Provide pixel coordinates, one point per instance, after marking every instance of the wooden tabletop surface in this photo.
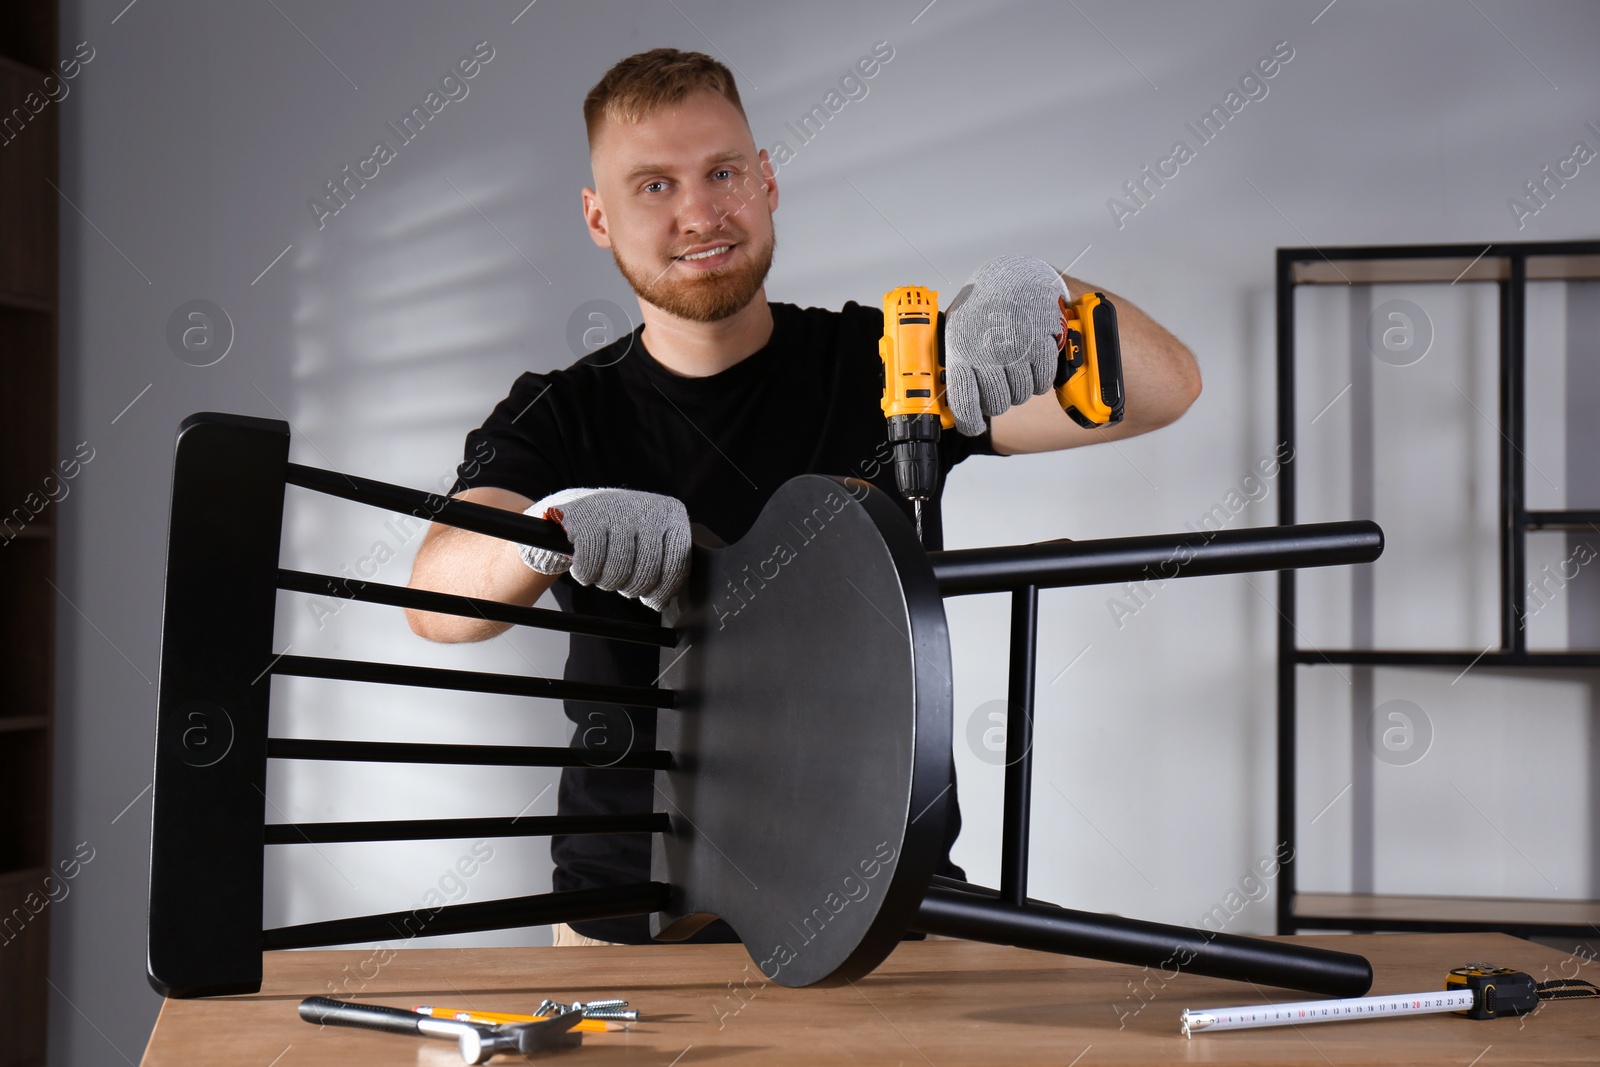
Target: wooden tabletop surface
(936, 1002)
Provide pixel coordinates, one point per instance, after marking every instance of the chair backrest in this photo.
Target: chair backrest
(209, 827)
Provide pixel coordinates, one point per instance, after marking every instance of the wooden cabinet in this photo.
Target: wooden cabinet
(29, 478)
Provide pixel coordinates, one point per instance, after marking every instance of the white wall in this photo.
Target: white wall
(197, 134)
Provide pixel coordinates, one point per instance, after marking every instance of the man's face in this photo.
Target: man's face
(686, 180)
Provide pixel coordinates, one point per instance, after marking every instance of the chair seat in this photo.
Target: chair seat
(810, 735)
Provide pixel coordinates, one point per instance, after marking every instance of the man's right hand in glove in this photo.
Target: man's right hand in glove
(625, 540)
(469, 564)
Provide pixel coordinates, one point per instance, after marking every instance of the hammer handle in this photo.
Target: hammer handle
(367, 1016)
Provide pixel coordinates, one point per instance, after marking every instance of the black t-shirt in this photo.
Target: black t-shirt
(806, 403)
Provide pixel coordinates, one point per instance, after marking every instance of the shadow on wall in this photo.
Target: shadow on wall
(399, 323)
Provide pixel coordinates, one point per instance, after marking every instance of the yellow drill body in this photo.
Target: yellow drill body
(913, 390)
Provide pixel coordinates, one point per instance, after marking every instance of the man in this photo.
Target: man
(711, 405)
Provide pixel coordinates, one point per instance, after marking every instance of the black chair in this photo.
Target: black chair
(804, 749)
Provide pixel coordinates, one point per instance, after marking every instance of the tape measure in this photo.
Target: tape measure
(1478, 991)
(1496, 991)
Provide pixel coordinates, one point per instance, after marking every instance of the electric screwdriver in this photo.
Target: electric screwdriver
(913, 390)
(1088, 382)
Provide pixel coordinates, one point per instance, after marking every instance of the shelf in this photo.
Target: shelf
(11, 878)
(1443, 914)
(1562, 520)
(34, 531)
(11, 298)
(19, 723)
(1372, 657)
(15, 67)
(1447, 264)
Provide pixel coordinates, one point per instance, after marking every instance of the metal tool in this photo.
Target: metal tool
(615, 1010)
(477, 1042)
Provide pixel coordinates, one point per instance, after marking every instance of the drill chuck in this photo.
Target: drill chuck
(916, 454)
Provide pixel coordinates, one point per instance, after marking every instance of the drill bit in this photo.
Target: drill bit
(916, 506)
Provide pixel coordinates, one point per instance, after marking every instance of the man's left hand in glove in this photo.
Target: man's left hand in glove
(1001, 348)
(1002, 338)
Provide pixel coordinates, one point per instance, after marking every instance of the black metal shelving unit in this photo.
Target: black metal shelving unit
(1511, 266)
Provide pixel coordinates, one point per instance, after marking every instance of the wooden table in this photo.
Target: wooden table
(935, 1002)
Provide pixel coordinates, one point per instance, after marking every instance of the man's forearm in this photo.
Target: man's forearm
(1159, 373)
(475, 565)
(1160, 380)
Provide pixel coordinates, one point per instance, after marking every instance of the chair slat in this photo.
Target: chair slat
(537, 910)
(322, 833)
(355, 670)
(473, 608)
(479, 518)
(466, 755)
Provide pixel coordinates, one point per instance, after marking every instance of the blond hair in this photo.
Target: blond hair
(642, 84)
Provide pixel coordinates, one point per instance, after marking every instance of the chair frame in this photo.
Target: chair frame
(212, 740)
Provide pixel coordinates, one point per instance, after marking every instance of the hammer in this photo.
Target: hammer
(477, 1041)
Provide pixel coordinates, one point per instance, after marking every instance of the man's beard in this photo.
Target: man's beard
(708, 296)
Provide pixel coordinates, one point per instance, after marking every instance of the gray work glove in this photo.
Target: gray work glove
(1002, 338)
(632, 542)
